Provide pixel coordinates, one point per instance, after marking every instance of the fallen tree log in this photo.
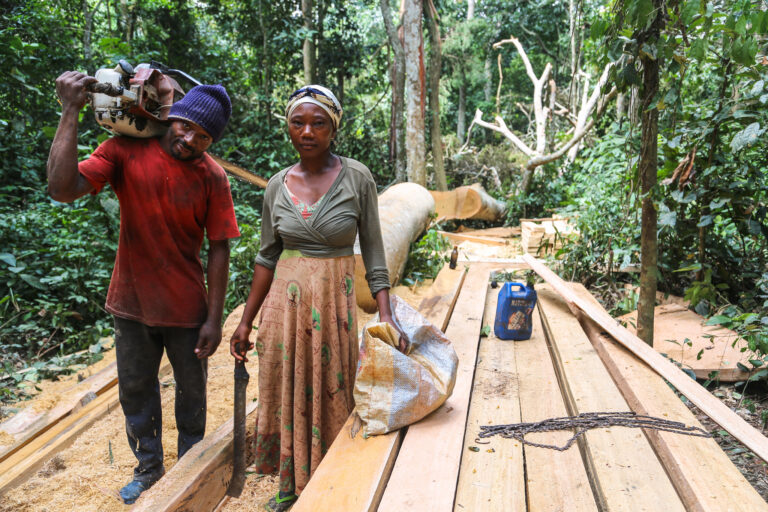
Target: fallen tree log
(703, 399)
(468, 202)
(405, 210)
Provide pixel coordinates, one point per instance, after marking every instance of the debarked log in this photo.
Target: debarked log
(468, 202)
(405, 210)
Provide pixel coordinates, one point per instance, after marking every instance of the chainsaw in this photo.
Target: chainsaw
(135, 102)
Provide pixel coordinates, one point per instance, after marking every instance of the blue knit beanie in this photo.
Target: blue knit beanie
(207, 106)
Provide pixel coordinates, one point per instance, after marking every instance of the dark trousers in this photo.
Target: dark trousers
(139, 351)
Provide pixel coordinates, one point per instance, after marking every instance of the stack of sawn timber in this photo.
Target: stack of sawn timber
(442, 465)
(544, 236)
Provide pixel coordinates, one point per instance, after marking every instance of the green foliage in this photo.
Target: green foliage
(55, 271)
(426, 258)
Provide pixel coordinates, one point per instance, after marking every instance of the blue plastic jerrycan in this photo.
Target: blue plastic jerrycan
(513, 312)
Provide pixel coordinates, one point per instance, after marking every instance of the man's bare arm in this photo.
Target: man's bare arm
(65, 183)
(218, 272)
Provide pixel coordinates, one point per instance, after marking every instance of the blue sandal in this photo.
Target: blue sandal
(131, 492)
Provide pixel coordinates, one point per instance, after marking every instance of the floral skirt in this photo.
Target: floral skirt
(307, 346)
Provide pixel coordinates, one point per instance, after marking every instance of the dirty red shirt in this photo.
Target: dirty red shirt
(165, 206)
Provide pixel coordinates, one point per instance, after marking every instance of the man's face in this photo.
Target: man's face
(187, 140)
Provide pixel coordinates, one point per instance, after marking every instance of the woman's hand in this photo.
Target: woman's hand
(240, 344)
(404, 341)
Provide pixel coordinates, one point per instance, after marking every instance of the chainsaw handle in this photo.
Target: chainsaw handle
(105, 88)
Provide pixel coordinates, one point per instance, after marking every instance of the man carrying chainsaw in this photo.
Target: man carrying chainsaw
(170, 193)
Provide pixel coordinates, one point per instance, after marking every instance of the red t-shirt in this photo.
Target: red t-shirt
(165, 205)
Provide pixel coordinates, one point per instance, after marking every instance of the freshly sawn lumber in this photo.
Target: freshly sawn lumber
(30, 423)
(683, 336)
(555, 480)
(702, 473)
(468, 202)
(199, 480)
(457, 238)
(405, 210)
(23, 463)
(613, 456)
(704, 400)
(492, 477)
(426, 470)
(352, 475)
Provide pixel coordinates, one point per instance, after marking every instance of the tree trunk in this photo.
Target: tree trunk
(573, 33)
(470, 9)
(397, 134)
(340, 85)
(321, 74)
(619, 107)
(647, 169)
(461, 125)
(414, 142)
(488, 85)
(87, 35)
(434, 95)
(309, 43)
(266, 64)
(405, 210)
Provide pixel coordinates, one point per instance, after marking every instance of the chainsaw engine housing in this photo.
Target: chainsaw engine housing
(142, 109)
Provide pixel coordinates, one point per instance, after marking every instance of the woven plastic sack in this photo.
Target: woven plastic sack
(393, 389)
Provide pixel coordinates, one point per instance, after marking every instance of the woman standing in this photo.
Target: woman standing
(307, 341)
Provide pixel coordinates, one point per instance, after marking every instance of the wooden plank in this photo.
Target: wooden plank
(437, 308)
(702, 473)
(710, 405)
(501, 232)
(199, 480)
(427, 467)
(684, 337)
(28, 459)
(240, 172)
(492, 478)
(352, 475)
(556, 481)
(461, 237)
(29, 423)
(21, 465)
(623, 468)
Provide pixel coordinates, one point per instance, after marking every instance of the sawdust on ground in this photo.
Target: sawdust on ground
(51, 391)
(87, 475)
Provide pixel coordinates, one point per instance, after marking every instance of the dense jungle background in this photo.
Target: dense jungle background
(586, 147)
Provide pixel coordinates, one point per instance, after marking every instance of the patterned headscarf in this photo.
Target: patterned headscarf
(317, 95)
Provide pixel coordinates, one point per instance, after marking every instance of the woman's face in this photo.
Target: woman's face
(311, 130)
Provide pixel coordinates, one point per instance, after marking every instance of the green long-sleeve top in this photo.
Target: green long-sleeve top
(349, 206)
